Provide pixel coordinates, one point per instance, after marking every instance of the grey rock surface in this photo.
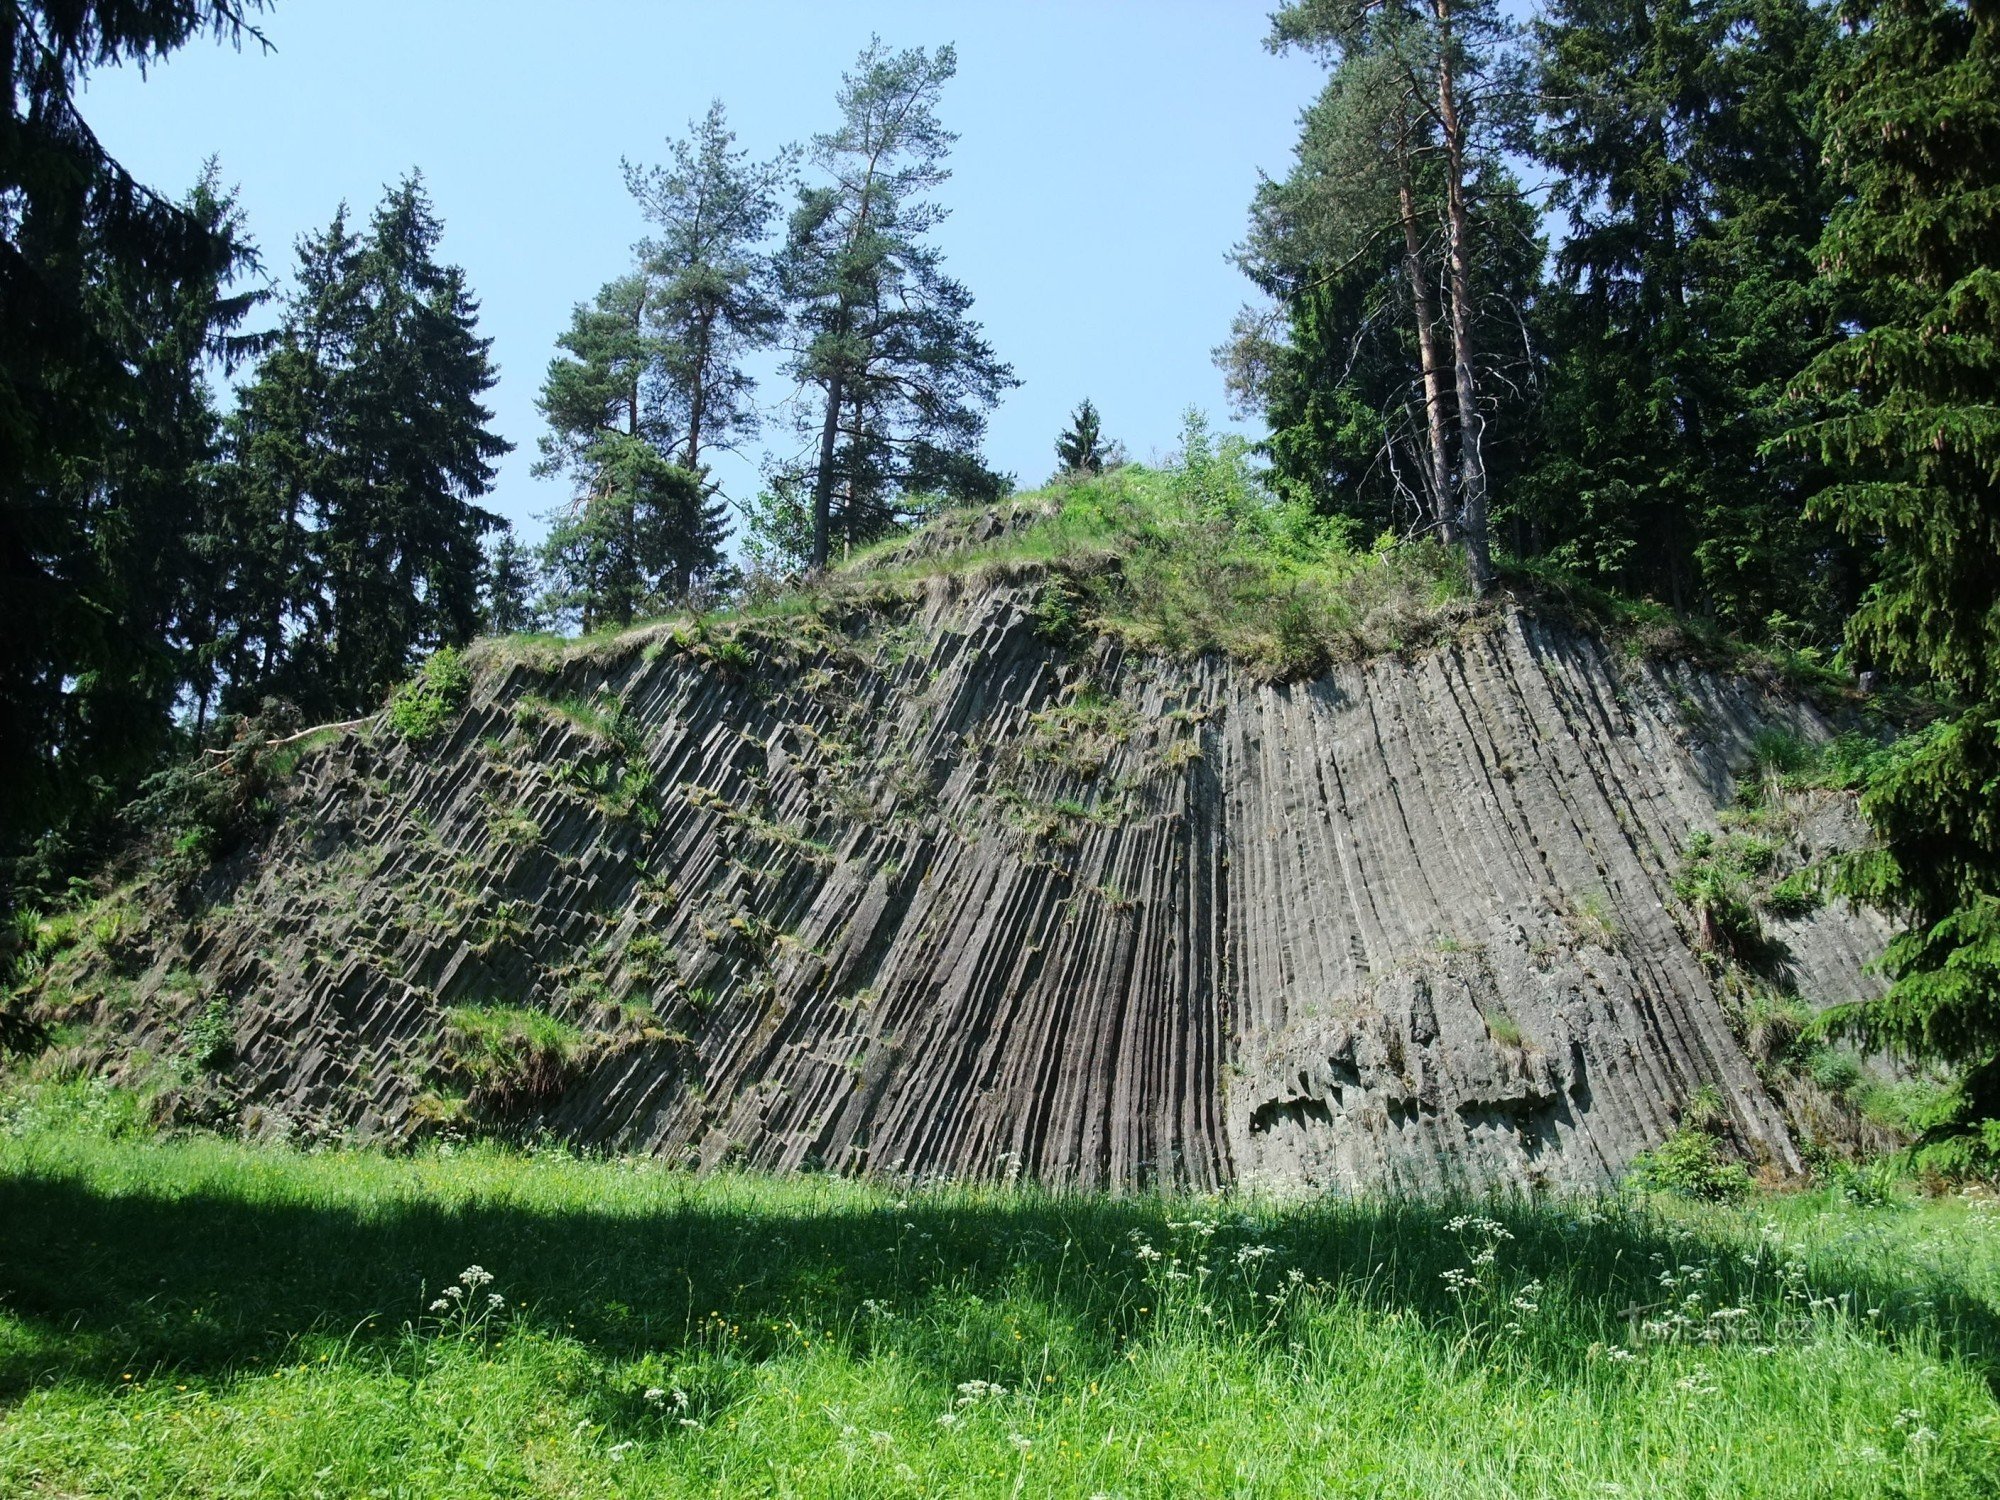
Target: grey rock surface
(914, 890)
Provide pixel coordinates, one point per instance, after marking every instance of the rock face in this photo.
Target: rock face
(915, 890)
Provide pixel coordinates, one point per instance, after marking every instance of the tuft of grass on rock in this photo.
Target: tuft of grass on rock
(512, 1058)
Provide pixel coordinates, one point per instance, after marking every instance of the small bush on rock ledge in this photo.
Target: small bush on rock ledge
(419, 708)
(1690, 1162)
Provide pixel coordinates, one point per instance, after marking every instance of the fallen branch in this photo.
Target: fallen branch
(224, 753)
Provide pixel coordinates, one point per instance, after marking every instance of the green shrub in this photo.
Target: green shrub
(210, 1043)
(1834, 1069)
(647, 956)
(1846, 762)
(511, 828)
(199, 811)
(1058, 612)
(735, 658)
(82, 1108)
(1752, 855)
(1909, 1106)
(1778, 753)
(420, 707)
(1726, 920)
(1774, 1025)
(1689, 1164)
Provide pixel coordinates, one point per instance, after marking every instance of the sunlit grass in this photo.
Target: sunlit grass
(204, 1317)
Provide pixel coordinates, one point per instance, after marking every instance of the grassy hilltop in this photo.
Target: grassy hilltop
(1202, 556)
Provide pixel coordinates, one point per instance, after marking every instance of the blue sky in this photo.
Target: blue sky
(1108, 150)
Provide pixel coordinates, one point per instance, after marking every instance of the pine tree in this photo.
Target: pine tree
(1450, 65)
(651, 379)
(709, 298)
(1914, 251)
(1390, 248)
(904, 375)
(1080, 449)
(643, 528)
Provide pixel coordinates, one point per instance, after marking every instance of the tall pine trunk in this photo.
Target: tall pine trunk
(836, 385)
(698, 395)
(1471, 458)
(829, 433)
(1427, 353)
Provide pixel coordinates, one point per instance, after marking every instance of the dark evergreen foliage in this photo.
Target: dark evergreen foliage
(643, 527)
(1080, 447)
(508, 588)
(112, 298)
(1912, 431)
(1683, 136)
(360, 450)
(903, 374)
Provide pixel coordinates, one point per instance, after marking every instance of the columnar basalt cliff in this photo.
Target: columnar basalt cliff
(903, 886)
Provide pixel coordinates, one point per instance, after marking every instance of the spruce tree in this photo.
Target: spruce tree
(1080, 448)
(1914, 432)
(507, 590)
(358, 454)
(1684, 135)
(164, 527)
(903, 375)
(283, 443)
(75, 365)
(619, 551)
(400, 531)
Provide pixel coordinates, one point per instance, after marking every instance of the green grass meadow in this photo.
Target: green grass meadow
(201, 1317)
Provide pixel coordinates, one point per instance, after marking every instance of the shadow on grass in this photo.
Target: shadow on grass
(203, 1283)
